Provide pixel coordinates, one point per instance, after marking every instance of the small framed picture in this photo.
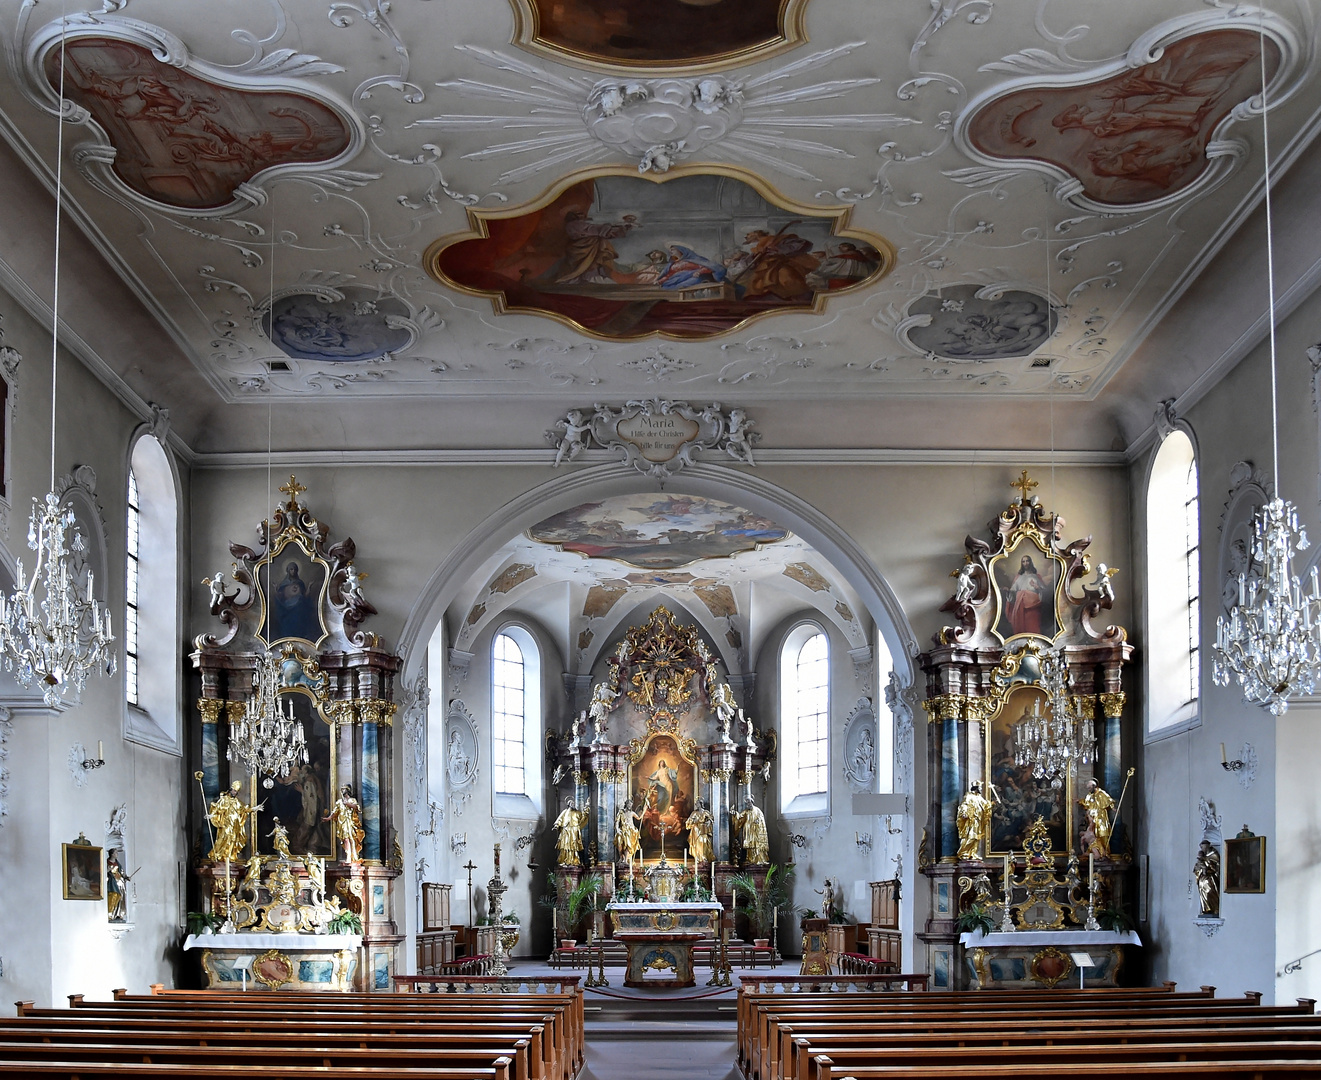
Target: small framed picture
(1245, 864)
(84, 877)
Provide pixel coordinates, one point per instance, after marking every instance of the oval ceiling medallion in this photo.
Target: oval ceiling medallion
(659, 35)
(690, 256)
(354, 324)
(184, 141)
(1135, 136)
(974, 322)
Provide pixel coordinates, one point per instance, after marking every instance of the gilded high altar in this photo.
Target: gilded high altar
(300, 600)
(1024, 600)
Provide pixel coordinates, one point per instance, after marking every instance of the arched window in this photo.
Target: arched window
(508, 715)
(151, 599)
(1173, 588)
(515, 723)
(805, 719)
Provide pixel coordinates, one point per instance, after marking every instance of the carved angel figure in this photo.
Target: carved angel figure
(738, 444)
(966, 587)
(603, 700)
(570, 436)
(724, 705)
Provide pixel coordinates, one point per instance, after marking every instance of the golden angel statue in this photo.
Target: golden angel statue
(974, 822)
(570, 827)
(279, 837)
(1096, 833)
(345, 819)
(699, 826)
(251, 878)
(229, 816)
(751, 824)
(628, 840)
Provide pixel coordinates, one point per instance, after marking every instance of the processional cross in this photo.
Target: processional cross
(470, 867)
(1023, 484)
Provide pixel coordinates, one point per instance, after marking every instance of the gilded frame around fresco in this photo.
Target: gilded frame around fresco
(839, 230)
(1019, 670)
(262, 573)
(793, 32)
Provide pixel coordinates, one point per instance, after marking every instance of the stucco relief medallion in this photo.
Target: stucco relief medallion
(338, 326)
(971, 322)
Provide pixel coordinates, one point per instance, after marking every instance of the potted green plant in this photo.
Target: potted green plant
(760, 902)
(974, 918)
(573, 906)
(1114, 918)
(345, 922)
(203, 922)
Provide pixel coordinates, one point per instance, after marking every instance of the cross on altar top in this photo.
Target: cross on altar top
(1024, 484)
(293, 489)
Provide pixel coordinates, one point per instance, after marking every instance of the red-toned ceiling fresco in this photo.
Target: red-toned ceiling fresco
(1138, 135)
(181, 140)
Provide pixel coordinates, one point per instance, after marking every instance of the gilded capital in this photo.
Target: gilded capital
(1112, 705)
(234, 711)
(944, 707)
(210, 708)
(344, 712)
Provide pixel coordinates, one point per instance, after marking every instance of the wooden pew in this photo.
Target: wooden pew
(121, 1070)
(1194, 1070)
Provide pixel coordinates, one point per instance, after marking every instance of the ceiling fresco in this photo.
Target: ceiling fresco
(1140, 134)
(375, 201)
(696, 256)
(181, 140)
(657, 532)
(659, 33)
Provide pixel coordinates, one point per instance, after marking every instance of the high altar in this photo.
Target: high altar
(286, 873)
(677, 784)
(1043, 853)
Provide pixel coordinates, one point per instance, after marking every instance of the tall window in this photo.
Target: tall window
(812, 706)
(131, 592)
(1173, 587)
(805, 720)
(508, 715)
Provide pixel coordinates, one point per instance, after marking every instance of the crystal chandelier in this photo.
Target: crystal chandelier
(265, 740)
(51, 628)
(1271, 641)
(1053, 742)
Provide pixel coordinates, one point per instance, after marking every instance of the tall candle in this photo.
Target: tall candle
(1091, 872)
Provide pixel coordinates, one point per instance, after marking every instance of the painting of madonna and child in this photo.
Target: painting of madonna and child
(621, 257)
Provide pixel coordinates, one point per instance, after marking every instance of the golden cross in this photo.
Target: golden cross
(1023, 484)
(293, 489)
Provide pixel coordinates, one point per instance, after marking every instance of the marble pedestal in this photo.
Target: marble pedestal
(661, 936)
(1031, 959)
(324, 962)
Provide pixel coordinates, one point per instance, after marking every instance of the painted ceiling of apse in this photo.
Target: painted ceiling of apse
(659, 33)
(271, 186)
(622, 257)
(657, 532)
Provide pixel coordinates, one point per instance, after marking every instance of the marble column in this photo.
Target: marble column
(370, 796)
(951, 777)
(210, 708)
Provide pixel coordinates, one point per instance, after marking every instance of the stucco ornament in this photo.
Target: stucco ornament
(658, 121)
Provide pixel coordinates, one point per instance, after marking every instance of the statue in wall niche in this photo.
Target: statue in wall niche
(345, 819)
(229, 817)
(116, 886)
(1096, 835)
(1206, 869)
(628, 840)
(700, 825)
(973, 821)
(751, 824)
(569, 843)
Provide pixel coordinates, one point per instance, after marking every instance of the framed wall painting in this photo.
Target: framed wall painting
(84, 875)
(303, 796)
(663, 787)
(1021, 796)
(292, 585)
(1245, 863)
(1027, 582)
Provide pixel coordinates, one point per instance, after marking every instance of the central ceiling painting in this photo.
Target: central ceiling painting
(659, 33)
(657, 532)
(622, 257)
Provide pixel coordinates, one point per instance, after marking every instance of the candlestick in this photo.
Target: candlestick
(101, 756)
(1091, 871)
(1223, 758)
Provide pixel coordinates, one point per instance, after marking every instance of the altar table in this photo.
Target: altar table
(1036, 958)
(278, 961)
(661, 936)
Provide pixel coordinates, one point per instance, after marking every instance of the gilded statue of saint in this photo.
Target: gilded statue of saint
(699, 826)
(751, 823)
(279, 837)
(1096, 834)
(974, 822)
(345, 818)
(229, 816)
(569, 843)
(1206, 869)
(628, 840)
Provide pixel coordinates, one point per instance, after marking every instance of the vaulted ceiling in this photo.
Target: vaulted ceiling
(387, 211)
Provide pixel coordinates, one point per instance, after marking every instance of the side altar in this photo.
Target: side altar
(660, 937)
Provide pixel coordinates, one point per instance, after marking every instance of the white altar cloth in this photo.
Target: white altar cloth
(287, 942)
(1064, 938)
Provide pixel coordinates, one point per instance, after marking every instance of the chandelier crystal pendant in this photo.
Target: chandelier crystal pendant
(51, 630)
(1269, 642)
(1056, 741)
(264, 740)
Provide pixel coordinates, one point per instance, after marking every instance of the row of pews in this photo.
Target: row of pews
(444, 1029)
(864, 1031)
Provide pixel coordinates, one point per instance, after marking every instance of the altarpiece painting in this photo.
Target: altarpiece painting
(662, 786)
(303, 796)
